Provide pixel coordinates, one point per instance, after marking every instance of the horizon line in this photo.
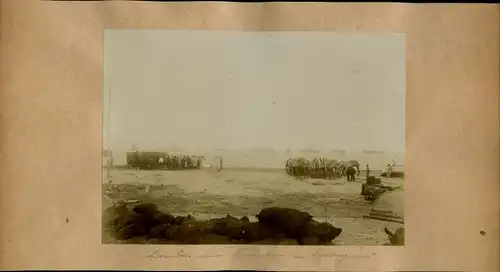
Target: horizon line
(262, 150)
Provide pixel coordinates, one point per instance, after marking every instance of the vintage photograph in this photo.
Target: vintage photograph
(269, 138)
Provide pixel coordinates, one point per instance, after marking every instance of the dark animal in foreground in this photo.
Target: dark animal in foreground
(298, 225)
(276, 226)
(283, 219)
(397, 238)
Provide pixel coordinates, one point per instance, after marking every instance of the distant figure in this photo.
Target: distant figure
(350, 173)
(389, 169)
(342, 169)
(161, 160)
(136, 159)
(367, 171)
(110, 160)
(356, 164)
(220, 164)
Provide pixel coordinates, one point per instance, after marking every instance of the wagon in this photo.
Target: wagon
(145, 160)
(374, 187)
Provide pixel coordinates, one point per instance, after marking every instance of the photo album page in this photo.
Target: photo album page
(249, 136)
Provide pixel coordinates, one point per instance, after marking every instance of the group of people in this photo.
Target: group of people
(321, 168)
(324, 168)
(179, 162)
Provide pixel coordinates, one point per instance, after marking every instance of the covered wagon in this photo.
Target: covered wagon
(145, 159)
(163, 160)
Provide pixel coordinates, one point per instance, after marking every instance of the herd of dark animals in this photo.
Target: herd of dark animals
(275, 226)
(145, 220)
(322, 168)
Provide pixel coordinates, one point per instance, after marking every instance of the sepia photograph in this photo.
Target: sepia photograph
(265, 138)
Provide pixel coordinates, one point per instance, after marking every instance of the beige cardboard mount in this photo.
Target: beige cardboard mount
(50, 175)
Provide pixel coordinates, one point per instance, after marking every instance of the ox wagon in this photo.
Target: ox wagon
(145, 160)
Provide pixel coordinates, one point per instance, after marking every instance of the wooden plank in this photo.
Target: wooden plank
(386, 218)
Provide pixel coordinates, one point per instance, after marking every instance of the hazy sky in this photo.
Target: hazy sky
(208, 89)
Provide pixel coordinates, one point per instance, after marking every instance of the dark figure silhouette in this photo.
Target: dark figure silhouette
(350, 173)
(367, 171)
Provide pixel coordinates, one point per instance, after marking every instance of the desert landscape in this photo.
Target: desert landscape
(227, 137)
(207, 193)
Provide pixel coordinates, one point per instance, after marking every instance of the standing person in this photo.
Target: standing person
(136, 159)
(161, 162)
(342, 170)
(389, 170)
(367, 171)
(110, 158)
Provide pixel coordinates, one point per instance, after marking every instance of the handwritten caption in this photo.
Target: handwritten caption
(259, 252)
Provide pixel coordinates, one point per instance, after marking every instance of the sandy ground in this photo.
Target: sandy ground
(207, 194)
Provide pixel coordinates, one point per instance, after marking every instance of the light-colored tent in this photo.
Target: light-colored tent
(389, 207)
